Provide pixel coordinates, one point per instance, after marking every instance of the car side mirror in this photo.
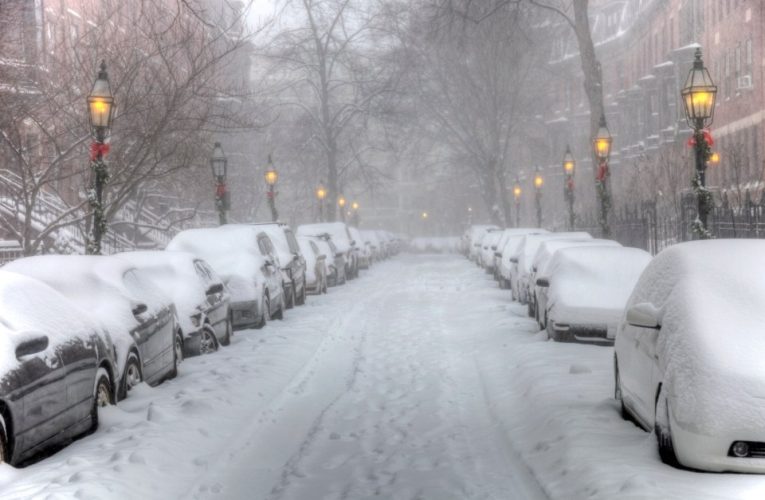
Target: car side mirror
(32, 346)
(543, 282)
(514, 260)
(139, 309)
(216, 288)
(644, 315)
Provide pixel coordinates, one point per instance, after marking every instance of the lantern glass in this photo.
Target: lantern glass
(321, 193)
(699, 95)
(341, 202)
(714, 158)
(517, 191)
(538, 181)
(424, 215)
(218, 162)
(271, 177)
(602, 142)
(101, 101)
(355, 205)
(568, 162)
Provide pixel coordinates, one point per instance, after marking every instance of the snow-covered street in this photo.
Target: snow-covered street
(421, 379)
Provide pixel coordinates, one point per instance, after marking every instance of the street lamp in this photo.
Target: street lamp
(341, 202)
(517, 191)
(569, 165)
(424, 215)
(100, 112)
(356, 216)
(321, 193)
(272, 177)
(714, 158)
(601, 145)
(538, 182)
(699, 94)
(219, 166)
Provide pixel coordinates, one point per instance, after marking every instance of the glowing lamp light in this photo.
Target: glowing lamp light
(355, 205)
(321, 193)
(424, 215)
(602, 141)
(538, 181)
(714, 158)
(517, 191)
(101, 103)
(568, 162)
(341, 201)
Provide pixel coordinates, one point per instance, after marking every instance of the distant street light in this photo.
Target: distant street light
(219, 166)
(356, 216)
(272, 177)
(569, 165)
(714, 158)
(601, 145)
(100, 113)
(699, 94)
(424, 216)
(517, 191)
(538, 183)
(321, 193)
(341, 202)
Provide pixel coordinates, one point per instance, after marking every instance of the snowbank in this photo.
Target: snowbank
(434, 245)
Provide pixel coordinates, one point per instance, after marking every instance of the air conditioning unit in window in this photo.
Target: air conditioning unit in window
(744, 82)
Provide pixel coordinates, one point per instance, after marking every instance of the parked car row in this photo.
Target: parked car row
(685, 326)
(81, 331)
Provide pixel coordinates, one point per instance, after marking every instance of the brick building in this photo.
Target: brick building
(645, 48)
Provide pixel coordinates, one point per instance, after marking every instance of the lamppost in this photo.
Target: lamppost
(699, 94)
(517, 191)
(569, 165)
(538, 182)
(100, 112)
(219, 166)
(356, 216)
(601, 145)
(341, 201)
(321, 193)
(272, 177)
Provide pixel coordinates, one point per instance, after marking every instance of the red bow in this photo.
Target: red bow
(98, 149)
(570, 184)
(220, 190)
(707, 137)
(602, 172)
(271, 194)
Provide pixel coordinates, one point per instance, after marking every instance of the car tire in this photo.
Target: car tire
(265, 315)
(226, 339)
(618, 392)
(301, 298)
(4, 451)
(103, 395)
(177, 353)
(292, 297)
(132, 375)
(663, 431)
(207, 343)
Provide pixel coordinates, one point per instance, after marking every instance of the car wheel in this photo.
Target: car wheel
(324, 286)
(618, 391)
(291, 297)
(4, 452)
(207, 344)
(102, 395)
(177, 354)
(133, 375)
(301, 299)
(280, 313)
(226, 339)
(663, 431)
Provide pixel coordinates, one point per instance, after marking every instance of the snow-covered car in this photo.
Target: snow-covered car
(291, 261)
(475, 235)
(340, 236)
(488, 248)
(587, 290)
(335, 261)
(140, 319)
(545, 252)
(688, 354)
(253, 281)
(200, 297)
(373, 243)
(363, 253)
(524, 255)
(316, 264)
(508, 247)
(57, 368)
